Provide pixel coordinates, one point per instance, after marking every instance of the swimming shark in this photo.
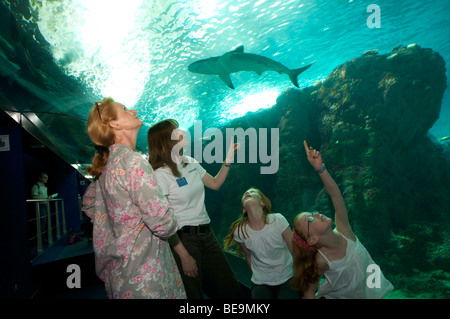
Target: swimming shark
(236, 61)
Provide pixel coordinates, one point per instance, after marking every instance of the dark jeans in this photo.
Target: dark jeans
(282, 291)
(214, 270)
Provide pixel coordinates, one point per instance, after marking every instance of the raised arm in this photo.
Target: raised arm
(341, 216)
(216, 182)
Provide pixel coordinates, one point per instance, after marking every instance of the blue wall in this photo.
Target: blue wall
(15, 269)
(19, 173)
(67, 187)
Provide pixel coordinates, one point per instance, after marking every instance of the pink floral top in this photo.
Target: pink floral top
(132, 221)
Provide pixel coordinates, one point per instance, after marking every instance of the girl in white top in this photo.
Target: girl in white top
(265, 240)
(347, 266)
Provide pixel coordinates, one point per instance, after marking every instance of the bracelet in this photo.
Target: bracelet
(322, 169)
(227, 165)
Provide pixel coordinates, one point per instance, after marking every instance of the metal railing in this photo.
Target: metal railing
(47, 227)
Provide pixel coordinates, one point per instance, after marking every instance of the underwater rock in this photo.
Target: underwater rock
(297, 107)
(376, 111)
(370, 120)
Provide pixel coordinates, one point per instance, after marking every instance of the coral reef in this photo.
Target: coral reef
(370, 120)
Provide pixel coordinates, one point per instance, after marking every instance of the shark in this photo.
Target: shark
(237, 61)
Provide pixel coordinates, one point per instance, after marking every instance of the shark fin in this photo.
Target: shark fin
(225, 77)
(239, 49)
(293, 74)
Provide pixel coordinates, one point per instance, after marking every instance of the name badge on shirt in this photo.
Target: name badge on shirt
(182, 181)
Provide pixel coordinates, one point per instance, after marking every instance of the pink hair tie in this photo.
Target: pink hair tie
(301, 243)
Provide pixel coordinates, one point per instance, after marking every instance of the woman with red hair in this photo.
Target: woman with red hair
(132, 219)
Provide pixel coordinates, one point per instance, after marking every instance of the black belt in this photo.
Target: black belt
(200, 229)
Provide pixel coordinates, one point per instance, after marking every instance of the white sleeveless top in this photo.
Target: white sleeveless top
(355, 276)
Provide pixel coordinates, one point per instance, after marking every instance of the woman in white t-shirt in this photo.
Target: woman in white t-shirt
(182, 179)
(265, 239)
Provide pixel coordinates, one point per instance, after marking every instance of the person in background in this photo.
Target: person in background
(39, 190)
(336, 253)
(132, 218)
(265, 239)
(182, 179)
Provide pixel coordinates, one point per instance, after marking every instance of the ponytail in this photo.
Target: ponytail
(98, 164)
(101, 133)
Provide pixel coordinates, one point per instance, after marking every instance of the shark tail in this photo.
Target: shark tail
(293, 74)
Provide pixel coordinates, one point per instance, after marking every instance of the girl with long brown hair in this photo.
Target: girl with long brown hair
(265, 240)
(183, 180)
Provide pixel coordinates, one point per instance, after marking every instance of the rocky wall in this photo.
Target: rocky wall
(370, 120)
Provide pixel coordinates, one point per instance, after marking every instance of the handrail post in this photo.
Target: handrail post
(58, 233)
(63, 217)
(49, 226)
(38, 228)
